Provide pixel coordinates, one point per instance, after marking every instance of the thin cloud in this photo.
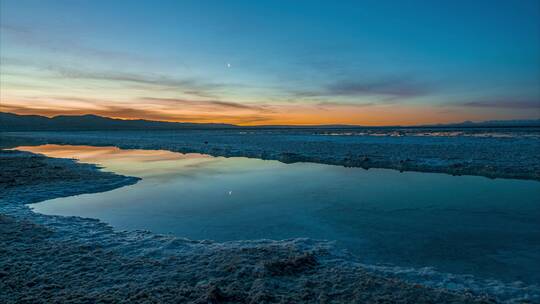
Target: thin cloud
(399, 87)
(148, 79)
(504, 103)
(217, 105)
(68, 45)
(345, 104)
(14, 28)
(391, 87)
(189, 86)
(208, 103)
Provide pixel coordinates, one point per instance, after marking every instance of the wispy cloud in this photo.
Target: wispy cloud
(399, 87)
(189, 86)
(14, 28)
(345, 104)
(45, 41)
(505, 103)
(172, 104)
(146, 79)
(215, 104)
(389, 87)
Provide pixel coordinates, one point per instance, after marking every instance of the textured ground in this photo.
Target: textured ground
(48, 259)
(492, 153)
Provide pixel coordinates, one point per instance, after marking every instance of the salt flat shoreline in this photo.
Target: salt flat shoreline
(505, 156)
(47, 259)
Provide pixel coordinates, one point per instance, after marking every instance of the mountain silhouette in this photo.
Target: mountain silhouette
(90, 122)
(15, 122)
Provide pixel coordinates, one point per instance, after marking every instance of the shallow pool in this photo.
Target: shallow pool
(464, 225)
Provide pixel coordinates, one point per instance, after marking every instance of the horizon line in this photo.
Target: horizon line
(277, 125)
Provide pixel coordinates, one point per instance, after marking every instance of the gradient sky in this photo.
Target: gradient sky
(273, 62)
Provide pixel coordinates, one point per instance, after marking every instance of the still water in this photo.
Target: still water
(463, 225)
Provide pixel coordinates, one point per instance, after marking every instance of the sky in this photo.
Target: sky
(273, 62)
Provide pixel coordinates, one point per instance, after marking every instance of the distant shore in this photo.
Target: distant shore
(68, 259)
(495, 153)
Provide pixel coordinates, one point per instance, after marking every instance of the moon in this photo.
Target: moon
(229, 65)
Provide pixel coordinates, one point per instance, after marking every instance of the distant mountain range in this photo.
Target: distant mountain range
(491, 123)
(15, 122)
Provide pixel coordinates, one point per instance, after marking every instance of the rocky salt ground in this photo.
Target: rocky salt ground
(506, 153)
(47, 259)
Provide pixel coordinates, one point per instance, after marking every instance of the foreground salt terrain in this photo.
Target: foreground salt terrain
(47, 259)
(70, 259)
(499, 152)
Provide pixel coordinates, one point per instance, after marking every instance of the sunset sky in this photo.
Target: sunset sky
(273, 62)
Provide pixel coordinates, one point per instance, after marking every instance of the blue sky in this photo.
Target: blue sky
(265, 62)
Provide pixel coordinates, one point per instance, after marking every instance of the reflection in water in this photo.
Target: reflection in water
(467, 225)
(140, 163)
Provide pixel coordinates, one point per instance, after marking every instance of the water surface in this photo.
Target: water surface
(463, 225)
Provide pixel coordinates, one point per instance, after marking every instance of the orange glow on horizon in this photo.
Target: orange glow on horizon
(253, 114)
(375, 115)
